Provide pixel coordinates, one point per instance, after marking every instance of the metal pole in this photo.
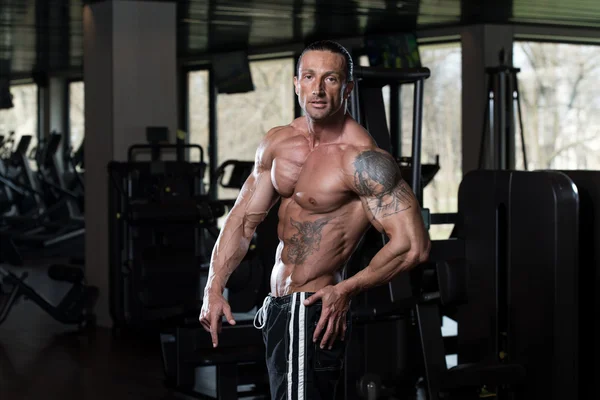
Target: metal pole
(509, 134)
(212, 134)
(500, 105)
(483, 152)
(395, 119)
(416, 140)
(518, 99)
(355, 103)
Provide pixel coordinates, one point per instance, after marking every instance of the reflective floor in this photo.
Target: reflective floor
(42, 359)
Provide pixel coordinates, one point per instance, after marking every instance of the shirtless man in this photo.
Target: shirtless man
(333, 182)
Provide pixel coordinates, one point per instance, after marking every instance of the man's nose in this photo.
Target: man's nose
(317, 88)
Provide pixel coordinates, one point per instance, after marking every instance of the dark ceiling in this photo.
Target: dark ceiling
(46, 35)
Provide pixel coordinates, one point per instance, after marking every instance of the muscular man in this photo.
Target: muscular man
(333, 182)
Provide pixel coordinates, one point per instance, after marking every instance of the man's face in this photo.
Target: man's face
(321, 84)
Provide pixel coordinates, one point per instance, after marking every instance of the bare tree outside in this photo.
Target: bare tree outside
(560, 104)
(22, 119)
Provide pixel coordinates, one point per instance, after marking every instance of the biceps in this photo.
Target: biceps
(387, 203)
(256, 198)
(397, 213)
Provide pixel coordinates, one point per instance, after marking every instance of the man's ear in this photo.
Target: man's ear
(348, 89)
(296, 84)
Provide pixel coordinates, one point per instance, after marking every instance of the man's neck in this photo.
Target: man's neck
(328, 131)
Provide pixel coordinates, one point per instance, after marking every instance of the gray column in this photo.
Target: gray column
(481, 45)
(57, 107)
(58, 103)
(43, 108)
(130, 83)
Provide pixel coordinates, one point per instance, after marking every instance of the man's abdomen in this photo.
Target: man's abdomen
(312, 252)
(287, 279)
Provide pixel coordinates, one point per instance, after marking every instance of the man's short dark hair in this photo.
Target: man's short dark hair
(334, 47)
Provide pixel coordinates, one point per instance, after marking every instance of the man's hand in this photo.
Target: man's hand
(333, 314)
(214, 306)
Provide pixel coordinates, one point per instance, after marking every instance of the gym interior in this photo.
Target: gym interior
(128, 128)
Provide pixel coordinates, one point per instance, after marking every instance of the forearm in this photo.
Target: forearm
(386, 264)
(229, 251)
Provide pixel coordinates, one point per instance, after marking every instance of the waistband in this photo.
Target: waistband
(287, 299)
(260, 318)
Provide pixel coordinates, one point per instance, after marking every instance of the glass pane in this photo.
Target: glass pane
(22, 119)
(560, 105)
(441, 127)
(245, 118)
(76, 114)
(198, 113)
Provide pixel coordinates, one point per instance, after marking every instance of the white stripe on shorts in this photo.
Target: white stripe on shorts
(291, 350)
(301, 347)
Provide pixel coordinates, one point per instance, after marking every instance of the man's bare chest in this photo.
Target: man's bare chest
(314, 179)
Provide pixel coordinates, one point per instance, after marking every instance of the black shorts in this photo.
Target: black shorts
(298, 368)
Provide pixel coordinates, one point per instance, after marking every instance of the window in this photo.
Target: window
(442, 130)
(76, 114)
(22, 119)
(198, 113)
(441, 127)
(560, 105)
(245, 118)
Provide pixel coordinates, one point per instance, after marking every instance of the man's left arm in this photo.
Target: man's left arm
(393, 209)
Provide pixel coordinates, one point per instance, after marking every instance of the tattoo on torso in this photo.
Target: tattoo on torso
(377, 176)
(307, 240)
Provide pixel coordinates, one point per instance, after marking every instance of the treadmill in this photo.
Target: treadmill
(17, 175)
(61, 221)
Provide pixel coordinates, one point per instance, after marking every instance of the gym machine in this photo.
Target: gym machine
(62, 219)
(517, 304)
(237, 367)
(20, 179)
(158, 213)
(44, 213)
(75, 308)
(382, 315)
(526, 294)
(409, 310)
(581, 379)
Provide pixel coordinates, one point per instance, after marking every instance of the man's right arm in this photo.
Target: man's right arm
(256, 198)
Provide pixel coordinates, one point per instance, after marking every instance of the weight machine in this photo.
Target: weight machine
(408, 309)
(75, 308)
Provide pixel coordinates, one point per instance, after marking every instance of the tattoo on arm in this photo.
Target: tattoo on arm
(307, 240)
(377, 177)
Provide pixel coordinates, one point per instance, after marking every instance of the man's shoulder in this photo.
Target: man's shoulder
(356, 135)
(274, 139)
(367, 152)
(284, 131)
